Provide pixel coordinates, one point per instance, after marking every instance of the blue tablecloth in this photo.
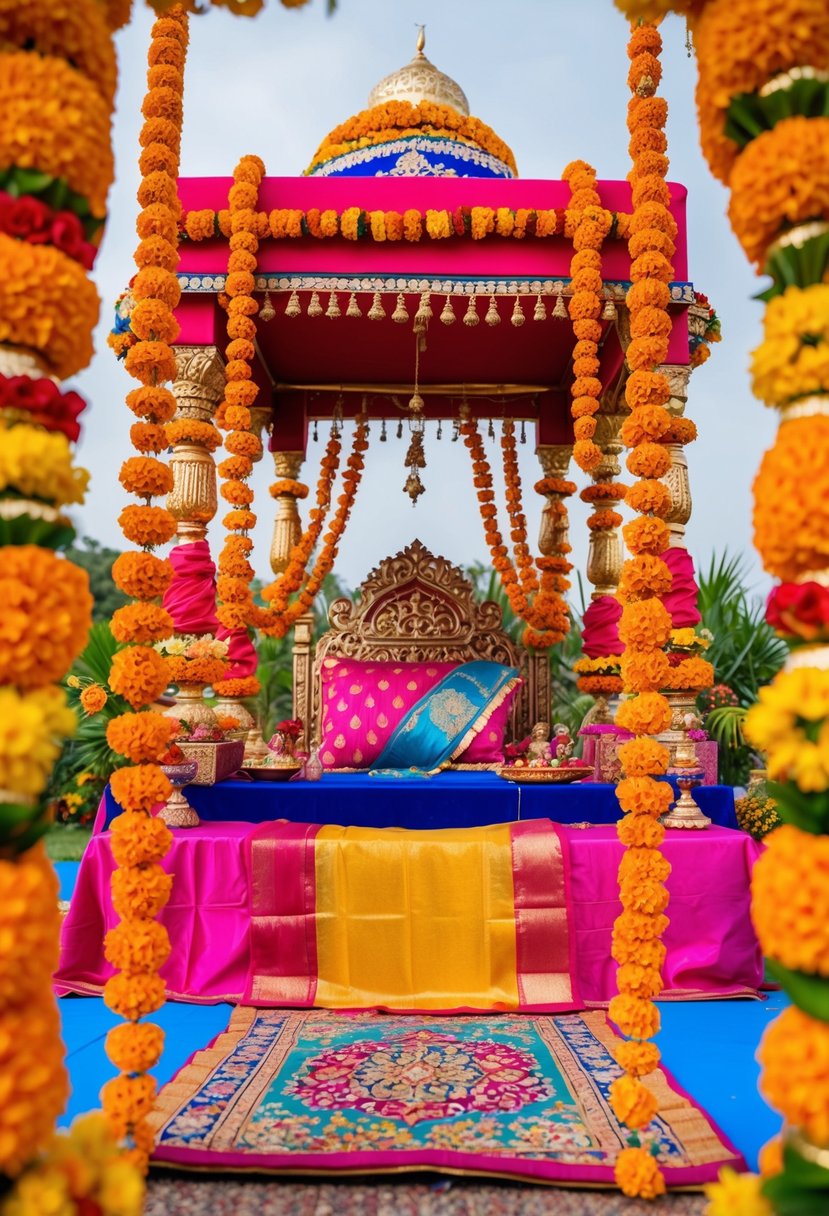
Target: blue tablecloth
(454, 799)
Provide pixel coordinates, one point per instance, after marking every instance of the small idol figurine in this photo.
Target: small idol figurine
(562, 745)
(538, 752)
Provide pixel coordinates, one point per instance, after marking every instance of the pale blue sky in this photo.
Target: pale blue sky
(549, 76)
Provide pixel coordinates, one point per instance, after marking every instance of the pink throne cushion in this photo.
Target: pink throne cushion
(363, 703)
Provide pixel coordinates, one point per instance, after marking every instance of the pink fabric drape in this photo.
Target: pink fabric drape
(191, 597)
(241, 654)
(681, 600)
(600, 630)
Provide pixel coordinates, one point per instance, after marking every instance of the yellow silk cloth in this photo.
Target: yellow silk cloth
(415, 919)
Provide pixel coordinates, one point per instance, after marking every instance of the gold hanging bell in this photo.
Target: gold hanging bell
(377, 312)
(471, 315)
(540, 310)
(401, 312)
(333, 309)
(424, 313)
(560, 310)
(517, 318)
(314, 306)
(447, 315)
(609, 311)
(492, 315)
(354, 309)
(293, 308)
(267, 312)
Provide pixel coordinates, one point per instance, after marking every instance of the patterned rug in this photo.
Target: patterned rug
(508, 1095)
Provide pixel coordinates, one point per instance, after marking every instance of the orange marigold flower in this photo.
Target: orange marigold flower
(649, 460)
(153, 402)
(243, 686)
(137, 946)
(46, 615)
(790, 900)
(148, 437)
(789, 508)
(147, 525)
(638, 1175)
(93, 699)
(129, 1098)
(794, 1055)
(649, 534)
(140, 788)
(632, 927)
(141, 623)
(191, 430)
(643, 577)
(644, 795)
(140, 892)
(650, 954)
(135, 1048)
(643, 896)
(635, 1016)
(646, 714)
(632, 1102)
(137, 838)
(645, 624)
(141, 737)
(142, 576)
(138, 674)
(644, 757)
(151, 362)
(639, 864)
(649, 497)
(646, 423)
(146, 477)
(645, 671)
(638, 1059)
(640, 831)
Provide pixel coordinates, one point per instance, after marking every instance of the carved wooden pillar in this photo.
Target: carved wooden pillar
(604, 554)
(303, 690)
(554, 530)
(198, 389)
(676, 479)
(287, 526)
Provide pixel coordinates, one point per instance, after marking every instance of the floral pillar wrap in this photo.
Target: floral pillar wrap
(762, 95)
(138, 946)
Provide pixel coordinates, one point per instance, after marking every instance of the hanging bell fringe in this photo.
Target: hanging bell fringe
(293, 308)
(314, 307)
(424, 312)
(447, 315)
(377, 312)
(333, 309)
(353, 309)
(267, 312)
(401, 312)
(560, 311)
(517, 317)
(492, 315)
(609, 311)
(471, 315)
(540, 310)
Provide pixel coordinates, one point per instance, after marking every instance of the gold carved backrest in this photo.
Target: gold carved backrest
(416, 607)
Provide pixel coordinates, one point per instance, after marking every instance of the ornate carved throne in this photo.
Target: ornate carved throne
(415, 607)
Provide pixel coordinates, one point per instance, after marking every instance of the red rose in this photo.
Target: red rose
(801, 609)
(67, 234)
(28, 393)
(28, 218)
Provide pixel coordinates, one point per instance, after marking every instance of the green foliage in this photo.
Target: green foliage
(801, 1189)
(67, 843)
(97, 562)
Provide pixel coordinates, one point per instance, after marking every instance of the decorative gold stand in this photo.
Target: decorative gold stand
(178, 812)
(685, 813)
(256, 749)
(191, 707)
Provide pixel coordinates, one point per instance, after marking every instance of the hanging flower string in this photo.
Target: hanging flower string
(537, 601)
(281, 612)
(644, 628)
(139, 946)
(235, 571)
(588, 224)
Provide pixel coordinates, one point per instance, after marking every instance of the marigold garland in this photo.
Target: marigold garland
(139, 673)
(537, 601)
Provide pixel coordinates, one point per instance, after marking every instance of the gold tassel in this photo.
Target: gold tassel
(492, 315)
(471, 316)
(609, 311)
(560, 311)
(424, 312)
(314, 307)
(377, 312)
(333, 309)
(267, 312)
(293, 308)
(354, 309)
(540, 310)
(517, 317)
(447, 316)
(401, 312)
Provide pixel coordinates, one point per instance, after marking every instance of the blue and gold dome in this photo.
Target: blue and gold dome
(417, 125)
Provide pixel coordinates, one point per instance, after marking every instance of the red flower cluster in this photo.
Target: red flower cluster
(801, 609)
(292, 727)
(42, 402)
(30, 219)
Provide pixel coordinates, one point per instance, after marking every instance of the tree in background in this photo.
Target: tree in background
(97, 561)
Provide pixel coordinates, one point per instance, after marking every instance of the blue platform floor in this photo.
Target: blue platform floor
(709, 1047)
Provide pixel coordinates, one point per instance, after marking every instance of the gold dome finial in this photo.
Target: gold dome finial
(420, 81)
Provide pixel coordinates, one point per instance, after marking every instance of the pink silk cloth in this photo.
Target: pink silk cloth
(461, 920)
(681, 600)
(712, 950)
(191, 602)
(600, 627)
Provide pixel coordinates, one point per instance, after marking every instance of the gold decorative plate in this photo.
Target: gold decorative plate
(538, 776)
(271, 772)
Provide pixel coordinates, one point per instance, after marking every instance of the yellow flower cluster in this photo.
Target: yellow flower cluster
(790, 723)
(736, 1194)
(793, 359)
(38, 464)
(33, 726)
(79, 1170)
(756, 815)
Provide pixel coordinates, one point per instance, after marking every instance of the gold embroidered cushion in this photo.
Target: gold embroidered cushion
(363, 703)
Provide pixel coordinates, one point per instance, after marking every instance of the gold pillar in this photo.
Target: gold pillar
(198, 389)
(287, 526)
(676, 479)
(604, 553)
(554, 459)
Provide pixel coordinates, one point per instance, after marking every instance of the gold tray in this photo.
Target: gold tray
(270, 772)
(532, 776)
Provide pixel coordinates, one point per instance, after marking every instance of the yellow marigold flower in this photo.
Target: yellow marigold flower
(790, 900)
(794, 1054)
(793, 359)
(33, 726)
(42, 1191)
(736, 1194)
(775, 726)
(38, 464)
